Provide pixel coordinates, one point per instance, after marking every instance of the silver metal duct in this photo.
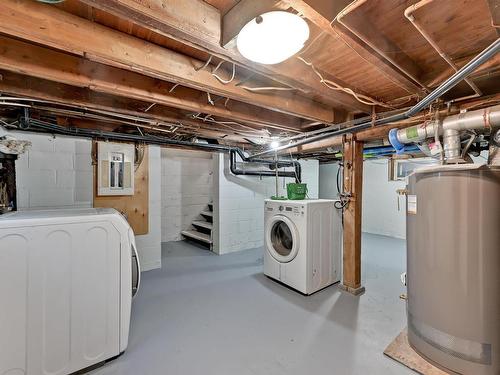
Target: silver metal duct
(480, 119)
(451, 145)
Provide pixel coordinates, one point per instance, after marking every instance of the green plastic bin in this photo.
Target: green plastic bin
(296, 191)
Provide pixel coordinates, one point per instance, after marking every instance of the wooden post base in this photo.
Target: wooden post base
(354, 291)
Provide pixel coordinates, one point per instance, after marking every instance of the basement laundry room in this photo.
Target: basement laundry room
(251, 187)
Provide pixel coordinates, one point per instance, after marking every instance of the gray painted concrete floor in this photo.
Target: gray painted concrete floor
(208, 314)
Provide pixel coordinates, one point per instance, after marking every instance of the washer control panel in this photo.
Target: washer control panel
(294, 210)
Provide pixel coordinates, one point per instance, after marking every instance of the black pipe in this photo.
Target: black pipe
(296, 174)
(151, 139)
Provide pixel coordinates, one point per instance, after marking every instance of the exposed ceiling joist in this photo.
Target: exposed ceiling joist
(489, 66)
(365, 135)
(494, 7)
(18, 85)
(246, 10)
(187, 25)
(242, 13)
(358, 24)
(336, 30)
(21, 57)
(52, 27)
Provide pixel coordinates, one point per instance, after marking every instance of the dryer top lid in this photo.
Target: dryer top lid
(57, 213)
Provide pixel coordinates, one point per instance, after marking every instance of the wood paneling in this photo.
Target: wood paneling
(135, 207)
(357, 51)
(460, 27)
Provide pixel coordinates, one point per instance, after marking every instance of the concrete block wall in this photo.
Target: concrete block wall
(186, 189)
(149, 245)
(239, 204)
(57, 173)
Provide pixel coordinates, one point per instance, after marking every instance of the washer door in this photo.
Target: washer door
(282, 239)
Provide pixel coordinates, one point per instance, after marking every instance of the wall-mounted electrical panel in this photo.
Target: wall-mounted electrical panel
(115, 168)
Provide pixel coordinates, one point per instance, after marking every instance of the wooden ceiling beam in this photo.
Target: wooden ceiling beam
(25, 58)
(50, 26)
(51, 92)
(336, 30)
(491, 65)
(195, 23)
(243, 12)
(374, 133)
(494, 7)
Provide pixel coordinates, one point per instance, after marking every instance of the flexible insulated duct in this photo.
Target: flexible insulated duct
(487, 118)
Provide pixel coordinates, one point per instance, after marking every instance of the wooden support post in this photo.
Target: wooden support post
(353, 186)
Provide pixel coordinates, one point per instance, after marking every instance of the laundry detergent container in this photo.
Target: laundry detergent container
(453, 269)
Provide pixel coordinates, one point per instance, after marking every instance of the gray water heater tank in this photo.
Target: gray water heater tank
(453, 267)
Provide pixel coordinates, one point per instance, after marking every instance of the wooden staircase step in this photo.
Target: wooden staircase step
(207, 213)
(203, 224)
(197, 236)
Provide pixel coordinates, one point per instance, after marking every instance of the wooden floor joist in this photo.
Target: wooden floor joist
(35, 61)
(336, 30)
(198, 25)
(18, 85)
(49, 26)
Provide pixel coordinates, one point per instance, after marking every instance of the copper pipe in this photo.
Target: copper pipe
(351, 7)
(409, 15)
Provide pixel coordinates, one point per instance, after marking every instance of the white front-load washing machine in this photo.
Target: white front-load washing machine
(303, 240)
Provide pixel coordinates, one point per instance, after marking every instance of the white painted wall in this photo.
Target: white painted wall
(380, 201)
(328, 181)
(57, 173)
(380, 212)
(186, 188)
(380, 208)
(239, 204)
(149, 245)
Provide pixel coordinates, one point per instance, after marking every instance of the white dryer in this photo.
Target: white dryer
(67, 278)
(303, 240)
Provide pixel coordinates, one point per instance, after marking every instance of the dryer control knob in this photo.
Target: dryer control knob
(281, 208)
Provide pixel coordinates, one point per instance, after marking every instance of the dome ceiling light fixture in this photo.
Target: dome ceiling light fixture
(272, 37)
(275, 144)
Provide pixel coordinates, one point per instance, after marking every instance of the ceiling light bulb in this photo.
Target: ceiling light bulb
(272, 37)
(275, 145)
